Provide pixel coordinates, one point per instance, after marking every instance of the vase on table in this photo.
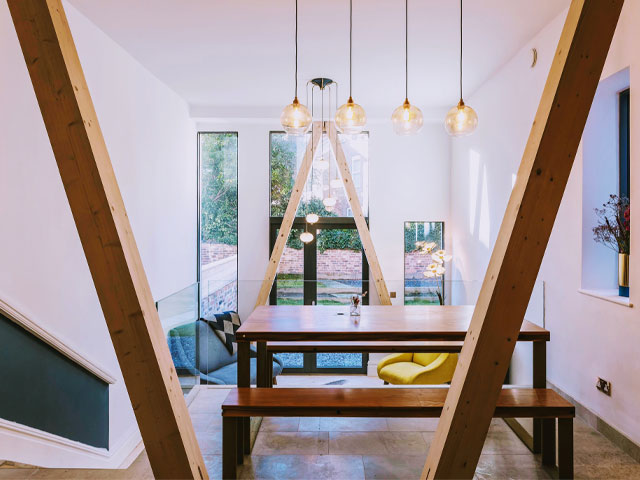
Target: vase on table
(623, 274)
(354, 307)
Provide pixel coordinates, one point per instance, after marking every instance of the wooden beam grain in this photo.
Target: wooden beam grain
(523, 237)
(107, 239)
(358, 216)
(289, 215)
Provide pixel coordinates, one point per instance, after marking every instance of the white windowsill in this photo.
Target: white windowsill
(608, 295)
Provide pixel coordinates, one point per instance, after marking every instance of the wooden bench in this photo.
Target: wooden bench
(392, 402)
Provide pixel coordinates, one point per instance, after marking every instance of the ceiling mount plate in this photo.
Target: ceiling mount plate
(322, 82)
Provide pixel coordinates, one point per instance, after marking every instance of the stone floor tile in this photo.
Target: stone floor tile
(210, 442)
(359, 424)
(609, 472)
(214, 466)
(16, 473)
(404, 443)
(206, 422)
(412, 424)
(291, 443)
(605, 459)
(503, 442)
(309, 424)
(307, 467)
(591, 441)
(280, 424)
(510, 466)
(388, 467)
(356, 443)
(428, 437)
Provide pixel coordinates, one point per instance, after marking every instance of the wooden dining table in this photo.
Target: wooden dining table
(397, 323)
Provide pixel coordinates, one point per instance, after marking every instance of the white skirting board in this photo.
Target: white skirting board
(35, 447)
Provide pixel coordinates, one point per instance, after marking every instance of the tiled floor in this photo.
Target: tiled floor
(360, 448)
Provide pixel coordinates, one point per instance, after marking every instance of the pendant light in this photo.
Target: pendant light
(407, 119)
(461, 120)
(296, 118)
(350, 117)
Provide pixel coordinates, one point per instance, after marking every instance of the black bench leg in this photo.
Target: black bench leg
(270, 369)
(229, 447)
(565, 448)
(549, 442)
(239, 441)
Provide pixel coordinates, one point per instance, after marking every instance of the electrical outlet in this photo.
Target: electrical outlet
(392, 294)
(604, 386)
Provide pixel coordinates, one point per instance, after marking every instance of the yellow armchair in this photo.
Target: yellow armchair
(417, 368)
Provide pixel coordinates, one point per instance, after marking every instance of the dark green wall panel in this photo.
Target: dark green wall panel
(44, 389)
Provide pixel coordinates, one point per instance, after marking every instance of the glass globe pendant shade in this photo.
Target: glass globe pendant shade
(295, 118)
(335, 183)
(461, 120)
(350, 118)
(407, 119)
(329, 203)
(306, 237)
(312, 218)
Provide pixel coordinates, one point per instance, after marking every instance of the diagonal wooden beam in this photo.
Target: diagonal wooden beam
(289, 215)
(107, 239)
(523, 237)
(358, 216)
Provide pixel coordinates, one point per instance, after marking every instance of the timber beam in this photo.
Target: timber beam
(523, 237)
(107, 239)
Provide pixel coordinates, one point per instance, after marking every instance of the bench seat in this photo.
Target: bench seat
(540, 403)
(383, 402)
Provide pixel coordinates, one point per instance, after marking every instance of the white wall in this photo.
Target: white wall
(590, 337)
(44, 274)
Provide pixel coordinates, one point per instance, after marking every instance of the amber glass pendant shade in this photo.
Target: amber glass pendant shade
(407, 119)
(351, 118)
(295, 118)
(461, 120)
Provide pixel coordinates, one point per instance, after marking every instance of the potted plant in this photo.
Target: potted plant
(436, 268)
(614, 231)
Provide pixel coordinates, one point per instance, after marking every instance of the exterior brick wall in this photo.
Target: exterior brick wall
(332, 264)
(415, 264)
(222, 300)
(211, 252)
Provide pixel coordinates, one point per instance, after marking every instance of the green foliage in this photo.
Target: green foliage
(219, 188)
(415, 231)
(283, 164)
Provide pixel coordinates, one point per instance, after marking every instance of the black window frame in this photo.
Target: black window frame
(624, 186)
(310, 268)
(199, 217)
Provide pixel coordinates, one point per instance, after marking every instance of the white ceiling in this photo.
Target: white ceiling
(225, 53)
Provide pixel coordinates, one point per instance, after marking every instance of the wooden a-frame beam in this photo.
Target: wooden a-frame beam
(523, 237)
(107, 239)
(361, 223)
(292, 208)
(289, 215)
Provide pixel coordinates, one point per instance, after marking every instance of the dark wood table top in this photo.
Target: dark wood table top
(377, 322)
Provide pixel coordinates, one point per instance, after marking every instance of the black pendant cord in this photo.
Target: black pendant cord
(406, 49)
(350, 46)
(461, 50)
(296, 72)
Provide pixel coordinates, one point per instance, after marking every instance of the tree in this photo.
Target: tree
(219, 188)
